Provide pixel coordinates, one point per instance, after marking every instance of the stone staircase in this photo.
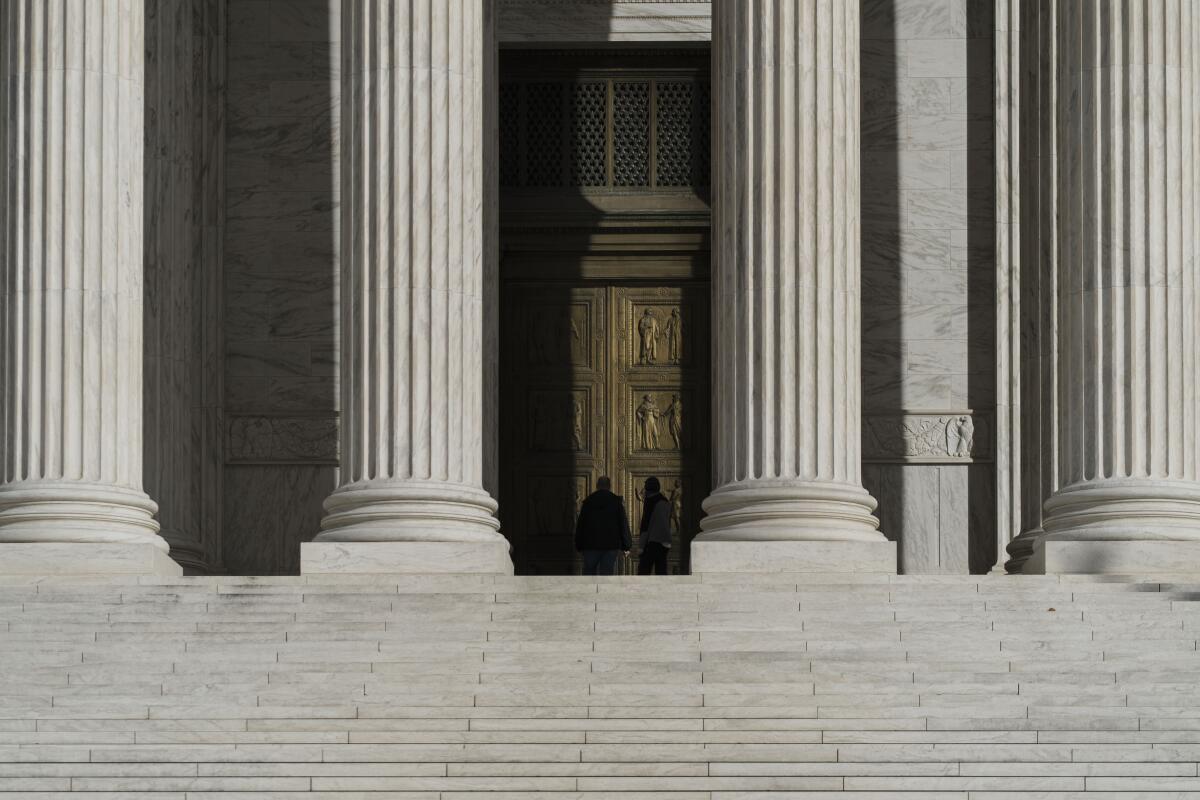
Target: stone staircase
(704, 688)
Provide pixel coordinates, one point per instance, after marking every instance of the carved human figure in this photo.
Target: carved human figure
(672, 331)
(648, 335)
(674, 415)
(965, 429)
(647, 419)
(576, 424)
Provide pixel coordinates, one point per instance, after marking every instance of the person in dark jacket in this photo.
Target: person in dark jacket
(602, 530)
(655, 530)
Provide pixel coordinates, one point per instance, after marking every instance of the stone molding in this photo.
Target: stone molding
(274, 439)
(927, 438)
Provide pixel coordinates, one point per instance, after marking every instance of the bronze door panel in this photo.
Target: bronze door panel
(600, 380)
(660, 396)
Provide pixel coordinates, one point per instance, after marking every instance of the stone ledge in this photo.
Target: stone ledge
(85, 559)
(1121, 557)
(796, 557)
(405, 558)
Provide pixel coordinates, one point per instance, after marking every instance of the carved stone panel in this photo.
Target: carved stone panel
(268, 439)
(951, 437)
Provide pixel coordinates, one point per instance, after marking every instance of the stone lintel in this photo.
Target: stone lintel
(490, 558)
(794, 556)
(85, 558)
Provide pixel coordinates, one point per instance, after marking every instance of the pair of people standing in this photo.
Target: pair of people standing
(602, 530)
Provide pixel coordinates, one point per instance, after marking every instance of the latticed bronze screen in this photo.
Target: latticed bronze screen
(605, 134)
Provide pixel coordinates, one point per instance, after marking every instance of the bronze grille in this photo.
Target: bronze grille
(611, 134)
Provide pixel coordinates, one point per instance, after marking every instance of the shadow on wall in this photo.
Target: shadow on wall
(928, 275)
(281, 278)
(981, 277)
(881, 294)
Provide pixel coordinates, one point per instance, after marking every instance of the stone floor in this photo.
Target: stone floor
(733, 689)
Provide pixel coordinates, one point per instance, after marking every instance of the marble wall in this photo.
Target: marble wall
(280, 278)
(928, 278)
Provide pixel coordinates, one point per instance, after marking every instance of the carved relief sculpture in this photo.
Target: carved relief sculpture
(672, 332)
(647, 419)
(964, 435)
(677, 506)
(576, 424)
(674, 415)
(648, 336)
(924, 437)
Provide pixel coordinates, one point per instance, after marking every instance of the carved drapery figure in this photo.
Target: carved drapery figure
(648, 335)
(674, 415)
(577, 424)
(647, 419)
(671, 329)
(677, 506)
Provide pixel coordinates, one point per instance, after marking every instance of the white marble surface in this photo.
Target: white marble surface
(786, 283)
(714, 556)
(398, 558)
(595, 21)
(71, 107)
(86, 559)
(1126, 557)
(1126, 276)
(413, 275)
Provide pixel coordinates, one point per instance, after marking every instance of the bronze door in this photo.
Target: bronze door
(595, 380)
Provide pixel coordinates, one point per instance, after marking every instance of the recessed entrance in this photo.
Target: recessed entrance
(604, 315)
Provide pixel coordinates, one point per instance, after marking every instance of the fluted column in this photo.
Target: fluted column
(786, 292)
(1127, 190)
(183, 123)
(71, 322)
(412, 283)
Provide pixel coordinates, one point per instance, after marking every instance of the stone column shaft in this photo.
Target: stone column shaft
(786, 276)
(1127, 188)
(181, 326)
(71, 243)
(412, 276)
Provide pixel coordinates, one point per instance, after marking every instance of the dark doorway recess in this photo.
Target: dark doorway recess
(604, 314)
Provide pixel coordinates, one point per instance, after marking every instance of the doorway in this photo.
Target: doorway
(604, 291)
(605, 378)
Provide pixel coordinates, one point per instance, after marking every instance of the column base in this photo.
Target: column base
(349, 558)
(1019, 550)
(794, 556)
(789, 510)
(1114, 557)
(85, 559)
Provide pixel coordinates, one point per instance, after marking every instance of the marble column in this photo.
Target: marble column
(184, 113)
(1038, 352)
(1128, 191)
(71, 96)
(411, 497)
(786, 294)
